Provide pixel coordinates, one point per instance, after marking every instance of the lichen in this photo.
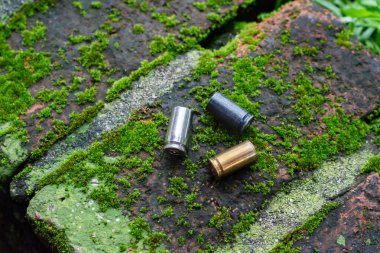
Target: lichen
(64, 215)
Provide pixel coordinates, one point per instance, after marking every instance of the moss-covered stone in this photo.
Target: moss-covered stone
(73, 222)
(289, 79)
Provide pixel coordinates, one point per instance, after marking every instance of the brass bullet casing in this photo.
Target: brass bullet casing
(233, 159)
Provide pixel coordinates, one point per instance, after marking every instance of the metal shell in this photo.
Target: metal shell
(233, 117)
(233, 159)
(178, 134)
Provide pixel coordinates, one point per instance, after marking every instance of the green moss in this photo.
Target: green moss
(343, 38)
(247, 77)
(191, 168)
(62, 55)
(193, 32)
(60, 81)
(114, 15)
(212, 16)
(200, 239)
(373, 165)
(27, 67)
(306, 51)
(183, 222)
(168, 212)
(107, 27)
(277, 86)
(168, 21)
(91, 55)
(76, 39)
(245, 222)
(287, 134)
(181, 241)
(211, 135)
(78, 5)
(144, 169)
(14, 99)
(18, 20)
(344, 134)
(217, 3)
(310, 99)
(58, 98)
(96, 4)
(161, 199)
(201, 6)
(206, 64)
(138, 29)
(157, 45)
(77, 120)
(329, 72)
(250, 35)
(96, 75)
(285, 38)
(131, 198)
(219, 218)
(44, 113)
(226, 50)
(86, 96)
(30, 37)
(375, 125)
(154, 240)
(263, 187)
(138, 227)
(52, 178)
(105, 197)
(144, 6)
(286, 244)
(131, 3)
(54, 236)
(347, 132)
(313, 152)
(177, 185)
(190, 201)
(377, 141)
(77, 80)
(125, 183)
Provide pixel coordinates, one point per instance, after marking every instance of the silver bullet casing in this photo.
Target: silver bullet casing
(178, 134)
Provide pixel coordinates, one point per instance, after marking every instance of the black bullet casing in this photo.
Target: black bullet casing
(231, 115)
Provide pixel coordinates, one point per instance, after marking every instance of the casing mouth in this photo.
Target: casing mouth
(216, 168)
(175, 149)
(246, 121)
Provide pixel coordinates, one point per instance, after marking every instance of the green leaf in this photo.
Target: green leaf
(369, 3)
(329, 6)
(367, 33)
(377, 36)
(359, 13)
